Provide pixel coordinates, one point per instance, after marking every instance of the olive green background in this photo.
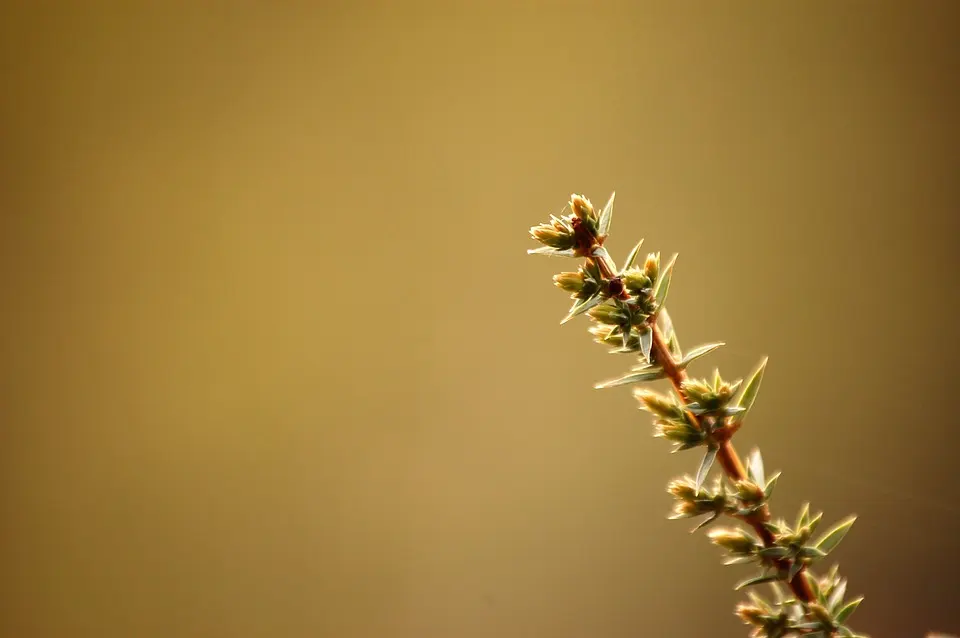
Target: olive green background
(275, 362)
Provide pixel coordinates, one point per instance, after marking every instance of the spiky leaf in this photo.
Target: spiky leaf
(699, 351)
(847, 610)
(705, 465)
(755, 467)
(651, 374)
(756, 580)
(603, 226)
(749, 394)
(663, 283)
(832, 538)
(632, 257)
(582, 306)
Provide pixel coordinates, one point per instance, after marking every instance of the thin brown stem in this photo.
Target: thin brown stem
(726, 454)
(729, 460)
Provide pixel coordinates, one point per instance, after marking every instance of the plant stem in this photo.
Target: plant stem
(726, 454)
(729, 460)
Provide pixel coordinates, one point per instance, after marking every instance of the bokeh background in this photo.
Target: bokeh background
(275, 362)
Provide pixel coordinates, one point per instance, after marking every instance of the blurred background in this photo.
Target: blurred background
(275, 362)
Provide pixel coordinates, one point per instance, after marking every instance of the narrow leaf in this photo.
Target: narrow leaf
(699, 351)
(774, 552)
(635, 377)
(756, 580)
(705, 522)
(836, 596)
(582, 306)
(607, 215)
(552, 252)
(755, 467)
(803, 516)
(832, 538)
(663, 283)
(632, 257)
(847, 610)
(794, 570)
(646, 343)
(705, 465)
(771, 484)
(750, 391)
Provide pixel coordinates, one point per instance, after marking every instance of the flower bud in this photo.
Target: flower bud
(651, 267)
(582, 208)
(735, 541)
(752, 614)
(569, 281)
(636, 281)
(554, 236)
(658, 404)
(682, 489)
(608, 314)
(749, 492)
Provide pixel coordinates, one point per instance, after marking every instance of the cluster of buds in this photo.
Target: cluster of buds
(627, 307)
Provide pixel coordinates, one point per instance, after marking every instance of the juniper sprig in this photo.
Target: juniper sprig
(627, 308)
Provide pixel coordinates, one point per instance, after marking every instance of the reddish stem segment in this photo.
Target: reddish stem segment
(726, 454)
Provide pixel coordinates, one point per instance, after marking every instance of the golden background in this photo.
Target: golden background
(275, 362)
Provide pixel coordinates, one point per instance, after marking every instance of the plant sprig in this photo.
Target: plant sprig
(627, 306)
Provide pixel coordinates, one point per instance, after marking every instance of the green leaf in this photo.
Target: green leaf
(552, 252)
(771, 484)
(836, 596)
(803, 516)
(749, 394)
(652, 374)
(738, 560)
(699, 351)
(710, 519)
(774, 552)
(815, 587)
(582, 306)
(705, 465)
(755, 467)
(632, 257)
(663, 283)
(606, 216)
(646, 343)
(756, 580)
(832, 538)
(794, 570)
(811, 552)
(847, 610)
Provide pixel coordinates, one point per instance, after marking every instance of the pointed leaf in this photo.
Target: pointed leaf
(632, 257)
(606, 216)
(771, 484)
(552, 252)
(646, 343)
(755, 467)
(756, 580)
(663, 283)
(652, 374)
(705, 522)
(794, 570)
(774, 552)
(847, 610)
(803, 516)
(832, 538)
(836, 596)
(749, 394)
(699, 351)
(705, 465)
(814, 587)
(581, 306)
